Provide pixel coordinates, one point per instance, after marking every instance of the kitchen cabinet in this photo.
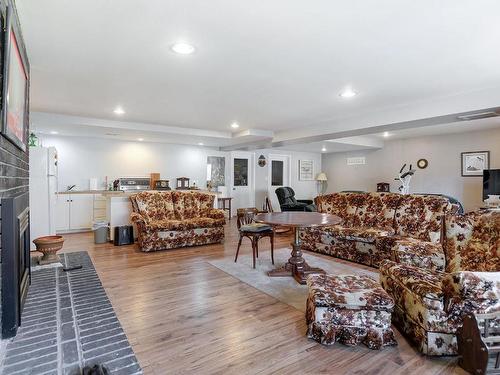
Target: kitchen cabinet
(74, 212)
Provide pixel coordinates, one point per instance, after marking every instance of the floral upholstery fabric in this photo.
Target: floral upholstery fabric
(473, 242)
(421, 217)
(170, 219)
(376, 210)
(340, 204)
(418, 253)
(430, 304)
(350, 310)
(380, 226)
(363, 234)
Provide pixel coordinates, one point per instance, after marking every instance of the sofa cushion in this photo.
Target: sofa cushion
(377, 210)
(362, 234)
(473, 242)
(421, 217)
(356, 292)
(423, 284)
(340, 204)
(418, 253)
(155, 205)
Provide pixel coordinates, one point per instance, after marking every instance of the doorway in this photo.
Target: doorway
(278, 176)
(242, 180)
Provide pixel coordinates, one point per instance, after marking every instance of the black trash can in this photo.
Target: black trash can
(124, 235)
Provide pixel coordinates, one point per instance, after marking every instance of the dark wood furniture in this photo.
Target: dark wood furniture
(182, 183)
(296, 265)
(254, 233)
(479, 346)
(269, 208)
(221, 204)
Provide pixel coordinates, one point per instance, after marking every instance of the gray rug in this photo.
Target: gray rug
(285, 289)
(67, 323)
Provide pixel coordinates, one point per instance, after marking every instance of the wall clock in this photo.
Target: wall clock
(422, 163)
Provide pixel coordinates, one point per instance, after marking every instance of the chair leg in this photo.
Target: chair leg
(272, 247)
(257, 247)
(254, 244)
(238, 249)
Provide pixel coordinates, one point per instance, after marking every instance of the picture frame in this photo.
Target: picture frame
(15, 84)
(474, 162)
(306, 170)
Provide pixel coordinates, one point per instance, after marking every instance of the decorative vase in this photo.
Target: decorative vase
(49, 246)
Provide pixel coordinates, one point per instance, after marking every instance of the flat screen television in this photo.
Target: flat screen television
(491, 182)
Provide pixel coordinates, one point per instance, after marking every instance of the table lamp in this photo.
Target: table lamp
(321, 180)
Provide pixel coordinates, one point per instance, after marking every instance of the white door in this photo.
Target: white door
(242, 180)
(278, 176)
(81, 211)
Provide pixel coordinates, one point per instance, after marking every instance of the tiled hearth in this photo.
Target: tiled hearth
(68, 322)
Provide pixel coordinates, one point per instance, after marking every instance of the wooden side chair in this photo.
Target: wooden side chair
(253, 231)
(278, 229)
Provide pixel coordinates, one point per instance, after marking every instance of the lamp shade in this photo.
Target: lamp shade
(321, 177)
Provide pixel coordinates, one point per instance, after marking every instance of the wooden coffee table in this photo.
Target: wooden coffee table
(296, 265)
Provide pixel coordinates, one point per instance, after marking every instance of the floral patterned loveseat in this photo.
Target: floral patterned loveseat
(379, 226)
(170, 219)
(430, 304)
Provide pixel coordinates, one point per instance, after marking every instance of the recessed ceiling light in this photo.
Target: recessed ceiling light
(140, 139)
(119, 111)
(386, 134)
(200, 143)
(235, 125)
(54, 132)
(348, 93)
(182, 48)
(323, 149)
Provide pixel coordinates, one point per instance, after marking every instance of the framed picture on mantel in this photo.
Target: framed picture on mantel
(15, 85)
(474, 162)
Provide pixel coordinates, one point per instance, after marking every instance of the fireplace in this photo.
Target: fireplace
(16, 273)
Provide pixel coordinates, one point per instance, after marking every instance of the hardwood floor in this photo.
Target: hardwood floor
(182, 315)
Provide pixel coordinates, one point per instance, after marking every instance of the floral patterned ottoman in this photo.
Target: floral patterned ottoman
(349, 309)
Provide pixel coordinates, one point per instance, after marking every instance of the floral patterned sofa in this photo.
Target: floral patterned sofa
(379, 226)
(171, 219)
(430, 304)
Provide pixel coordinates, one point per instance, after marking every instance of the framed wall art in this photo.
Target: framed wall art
(474, 162)
(306, 170)
(15, 85)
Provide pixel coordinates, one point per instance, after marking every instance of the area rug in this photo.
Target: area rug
(67, 323)
(285, 289)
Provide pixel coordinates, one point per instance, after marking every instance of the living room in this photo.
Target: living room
(233, 187)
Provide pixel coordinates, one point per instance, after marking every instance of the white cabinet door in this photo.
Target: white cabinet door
(62, 212)
(81, 211)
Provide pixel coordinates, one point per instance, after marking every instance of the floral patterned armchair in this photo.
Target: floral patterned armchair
(171, 219)
(430, 304)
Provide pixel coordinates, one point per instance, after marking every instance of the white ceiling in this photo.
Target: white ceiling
(274, 65)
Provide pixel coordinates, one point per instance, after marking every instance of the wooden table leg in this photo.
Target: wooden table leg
(296, 265)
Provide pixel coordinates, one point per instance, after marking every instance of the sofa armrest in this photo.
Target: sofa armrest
(215, 213)
(137, 218)
(478, 292)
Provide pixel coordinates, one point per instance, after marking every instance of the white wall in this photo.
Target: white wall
(443, 175)
(303, 189)
(81, 158)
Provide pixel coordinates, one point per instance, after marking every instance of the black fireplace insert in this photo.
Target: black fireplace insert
(16, 274)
